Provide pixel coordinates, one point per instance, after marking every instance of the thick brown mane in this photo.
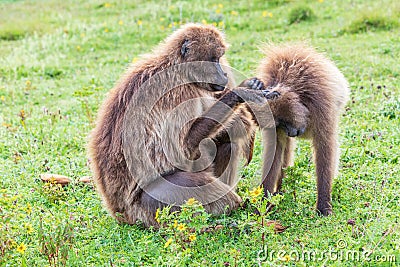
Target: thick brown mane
(117, 176)
(313, 94)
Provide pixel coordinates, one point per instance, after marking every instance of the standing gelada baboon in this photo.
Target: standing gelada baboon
(151, 144)
(313, 93)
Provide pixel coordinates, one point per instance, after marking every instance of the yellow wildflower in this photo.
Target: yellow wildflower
(220, 5)
(157, 215)
(233, 251)
(253, 200)
(192, 237)
(11, 243)
(2, 98)
(28, 227)
(17, 158)
(21, 248)
(218, 11)
(107, 5)
(139, 22)
(106, 30)
(191, 201)
(134, 59)
(169, 241)
(28, 208)
(28, 83)
(267, 14)
(120, 22)
(78, 47)
(162, 19)
(234, 13)
(83, 35)
(286, 258)
(320, 1)
(221, 24)
(181, 227)
(256, 192)
(52, 180)
(175, 224)
(204, 22)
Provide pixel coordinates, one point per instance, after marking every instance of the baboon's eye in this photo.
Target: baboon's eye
(185, 48)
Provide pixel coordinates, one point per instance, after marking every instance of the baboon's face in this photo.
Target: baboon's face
(290, 113)
(219, 77)
(207, 50)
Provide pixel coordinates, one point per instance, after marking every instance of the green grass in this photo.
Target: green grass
(58, 59)
(372, 21)
(301, 13)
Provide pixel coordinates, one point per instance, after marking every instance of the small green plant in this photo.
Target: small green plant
(262, 207)
(12, 35)
(391, 109)
(53, 192)
(371, 22)
(84, 95)
(275, 3)
(301, 13)
(13, 237)
(181, 228)
(53, 73)
(56, 243)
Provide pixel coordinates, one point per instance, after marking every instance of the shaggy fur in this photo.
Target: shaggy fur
(313, 95)
(121, 179)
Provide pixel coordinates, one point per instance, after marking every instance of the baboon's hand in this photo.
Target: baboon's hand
(270, 95)
(252, 83)
(255, 96)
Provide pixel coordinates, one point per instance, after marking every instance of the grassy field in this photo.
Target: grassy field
(58, 59)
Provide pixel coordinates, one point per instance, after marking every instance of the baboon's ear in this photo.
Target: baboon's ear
(185, 48)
